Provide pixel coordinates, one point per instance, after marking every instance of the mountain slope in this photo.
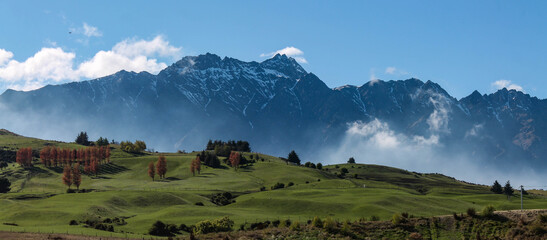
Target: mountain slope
(277, 106)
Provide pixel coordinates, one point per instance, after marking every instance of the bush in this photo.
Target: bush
(222, 199)
(396, 219)
(346, 228)
(4, 185)
(374, 218)
(199, 204)
(263, 189)
(275, 223)
(471, 212)
(218, 225)
(290, 184)
(278, 186)
(316, 222)
(159, 229)
(185, 228)
(488, 211)
(285, 223)
(329, 225)
(295, 226)
(319, 166)
(73, 222)
(404, 215)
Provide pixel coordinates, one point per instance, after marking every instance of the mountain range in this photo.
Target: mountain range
(277, 106)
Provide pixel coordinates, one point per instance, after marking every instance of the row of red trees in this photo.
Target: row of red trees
(24, 157)
(160, 168)
(53, 156)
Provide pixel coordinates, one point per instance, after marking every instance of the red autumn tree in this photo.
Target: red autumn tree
(151, 170)
(108, 153)
(67, 176)
(195, 166)
(94, 166)
(44, 155)
(53, 157)
(235, 159)
(24, 157)
(76, 176)
(161, 166)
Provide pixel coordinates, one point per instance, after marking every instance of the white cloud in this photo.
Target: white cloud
(500, 84)
(373, 79)
(390, 70)
(5, 56)
(377, 132)
(290, 52)
(395, 71)
(91, 31)
(54, 65)
(438, 120)
(474, 131)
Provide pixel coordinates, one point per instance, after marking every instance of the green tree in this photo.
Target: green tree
(351, 160)
(496, 188)
(319, 166)
(4, 185)
(101, 142)
(508, 190)
(293, 157)
(82, 139)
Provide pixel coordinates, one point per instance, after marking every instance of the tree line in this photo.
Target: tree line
(224, 149)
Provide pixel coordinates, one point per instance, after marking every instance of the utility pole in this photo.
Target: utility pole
(521, 189)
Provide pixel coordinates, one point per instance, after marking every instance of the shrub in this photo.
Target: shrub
(275, 223)
(396, 219)
(263, 189)
(199, 204)
(290, 184)
(172, 228)
(73, 222)
(222, 199)
(374, 218)
(285, 223)
(346, 227)
(295, 226)
(278, 186)
(218, 225)
(159, 229)
(404, 215)
(488, 211)
(316, 222)
(185, 228)
(471, 212)
(329, 225)
(319, 166)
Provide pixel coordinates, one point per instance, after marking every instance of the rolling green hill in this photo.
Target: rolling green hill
(38, 201)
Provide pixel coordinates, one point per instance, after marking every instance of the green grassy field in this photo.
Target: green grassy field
(38, 201)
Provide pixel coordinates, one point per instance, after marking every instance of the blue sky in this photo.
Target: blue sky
(462, 45)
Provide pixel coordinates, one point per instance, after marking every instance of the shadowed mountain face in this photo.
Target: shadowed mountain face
(277, 106)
